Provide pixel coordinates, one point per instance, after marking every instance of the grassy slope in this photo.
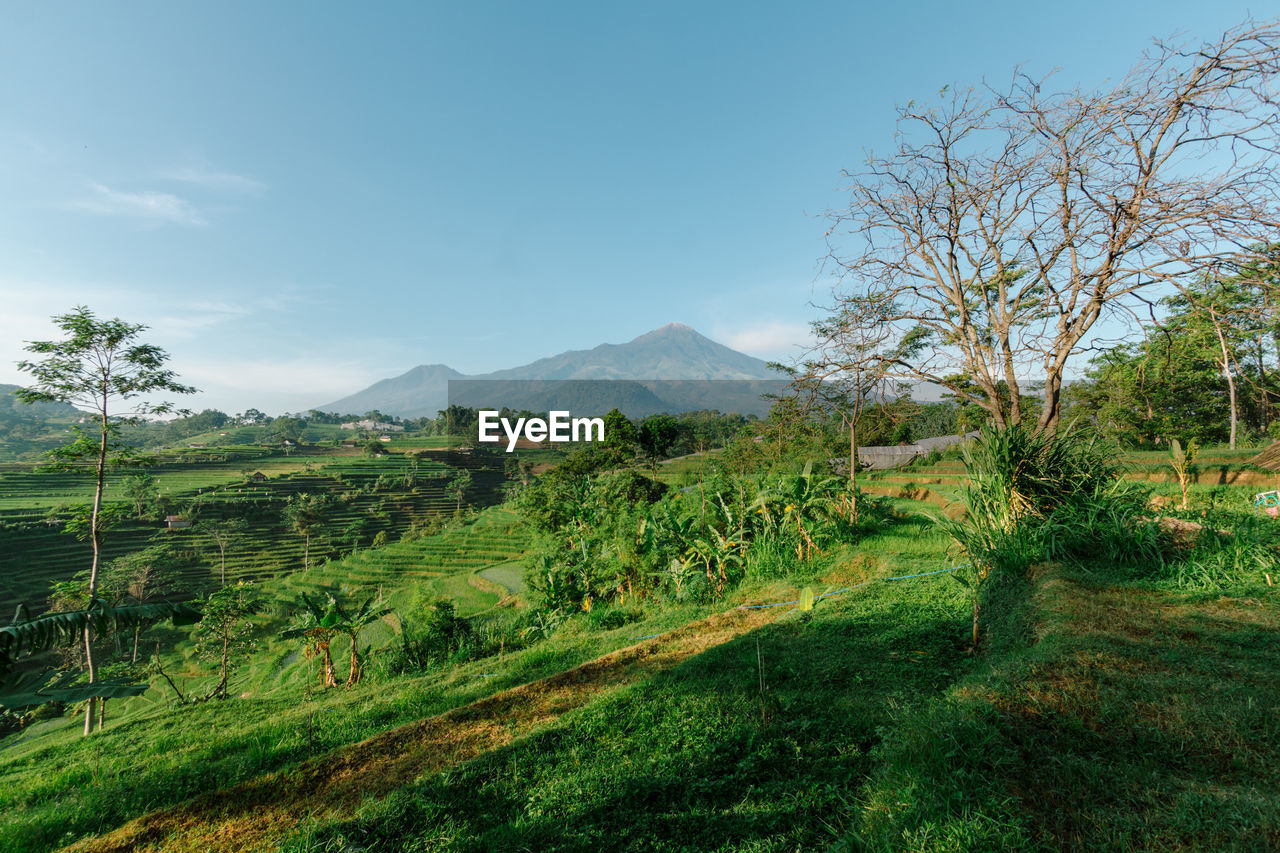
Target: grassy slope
(213, 746)
(1103, 717)
(1137, 719)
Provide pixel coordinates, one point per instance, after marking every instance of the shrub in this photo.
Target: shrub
(611, 618)
(440, 636)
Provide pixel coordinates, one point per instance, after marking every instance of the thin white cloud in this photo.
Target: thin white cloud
(149, 206)
(775, 338)
(210, 179)
(272, 383)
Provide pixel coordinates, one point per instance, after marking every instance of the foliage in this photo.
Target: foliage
(227, 628)
(436, 636)
(619, 536)
(1032, 496)
(317, 625)
(1183, 464)
(98, 363)
(27, 636)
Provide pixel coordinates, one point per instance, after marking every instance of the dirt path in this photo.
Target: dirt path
(255, 814)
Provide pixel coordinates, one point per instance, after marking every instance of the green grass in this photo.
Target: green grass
(1100, 715)
(152, 755)
(1141, 721)
(696, 758)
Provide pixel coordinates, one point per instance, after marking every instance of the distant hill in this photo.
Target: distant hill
(26, 430)
(424, 390)
(674, 351)
(11, 408)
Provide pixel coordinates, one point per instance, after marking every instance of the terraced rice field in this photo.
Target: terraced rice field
(1220, 475)
(456, 564)
(369, 496)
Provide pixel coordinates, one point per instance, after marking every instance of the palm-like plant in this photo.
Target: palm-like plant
(26, 635)
(1183, 464)
(715, 551)
(801, 504)
(350, 624)
(317, 626)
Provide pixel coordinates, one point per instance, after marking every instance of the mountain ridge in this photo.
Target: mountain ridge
(673, 351)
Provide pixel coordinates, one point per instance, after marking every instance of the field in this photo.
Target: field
(706, 696)
(389, 495)
(1101, 712)
(1220, 476)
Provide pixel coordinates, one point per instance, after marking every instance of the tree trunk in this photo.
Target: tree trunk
(222, 686)
(137, 629)
(223, 552)
(353, 677)
(853, 469)
(1226, 374)
(330, 677)
(95, 537)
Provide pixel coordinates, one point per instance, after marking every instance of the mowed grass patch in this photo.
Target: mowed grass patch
(1140, 720)
(249, 815)
(56, 787)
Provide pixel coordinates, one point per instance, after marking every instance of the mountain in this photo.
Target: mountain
(424, 390)
(673, 352)
(30, 429)
(13, 409)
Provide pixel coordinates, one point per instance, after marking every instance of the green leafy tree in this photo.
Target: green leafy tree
(142, 577)
(619, 433)
(97, 365)
(227, 629)
(224, 533)
(306, 514)
(459, 485)
(141, 490)
(657, 434)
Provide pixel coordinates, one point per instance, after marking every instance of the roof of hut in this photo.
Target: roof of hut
(1269, 458)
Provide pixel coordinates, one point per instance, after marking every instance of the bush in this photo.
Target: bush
(441, 636)
(1233, 549)
(1033, 497)
(611, 618)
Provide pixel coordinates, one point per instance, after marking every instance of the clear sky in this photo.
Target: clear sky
(303, 198)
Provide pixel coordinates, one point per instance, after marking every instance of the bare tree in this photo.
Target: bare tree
(1007, 223)
(848, 366)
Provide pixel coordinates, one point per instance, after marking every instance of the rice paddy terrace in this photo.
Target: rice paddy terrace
(1219, 475)
(388, 496)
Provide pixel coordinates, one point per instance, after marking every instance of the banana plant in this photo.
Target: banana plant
(800, 504)
(317, 626)
(350, 624)
(27, 635)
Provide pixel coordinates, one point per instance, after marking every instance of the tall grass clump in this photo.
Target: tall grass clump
(1035, 496)
(1232, 550)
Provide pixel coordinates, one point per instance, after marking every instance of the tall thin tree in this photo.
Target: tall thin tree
(96, 366)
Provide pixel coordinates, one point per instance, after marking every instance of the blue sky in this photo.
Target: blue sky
(301, 199)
